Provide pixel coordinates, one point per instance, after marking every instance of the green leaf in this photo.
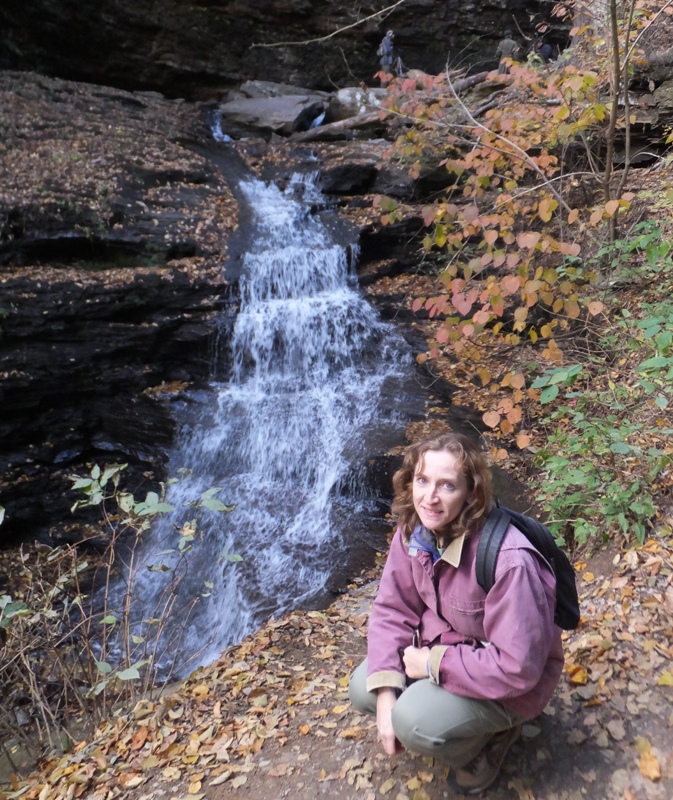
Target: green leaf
(98, 688)
(620, 447)
(661, 401)
(110, 619)
(103, 667)
(549, 394)
(130, 674)
(654, 363)
(663, 340)
(233, 558)
(213, 504)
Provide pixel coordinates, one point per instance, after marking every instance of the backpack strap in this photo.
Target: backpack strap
(488, 548)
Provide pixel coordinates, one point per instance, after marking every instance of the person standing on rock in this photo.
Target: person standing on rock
(508, 48)
(452, 672)
(386, 53)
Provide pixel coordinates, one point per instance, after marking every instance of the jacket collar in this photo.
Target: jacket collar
(454, 551)
(422, 539)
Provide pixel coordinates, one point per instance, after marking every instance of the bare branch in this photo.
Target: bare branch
(386, 11)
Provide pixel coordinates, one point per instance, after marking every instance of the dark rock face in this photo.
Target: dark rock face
(113, 250)
(202, 49)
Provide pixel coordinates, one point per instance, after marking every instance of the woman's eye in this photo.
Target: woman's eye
(448, 486)
(420, 479)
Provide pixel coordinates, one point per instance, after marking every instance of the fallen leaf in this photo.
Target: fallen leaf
(239, 780)
(665, 679)
(386, 786)
(616, 729)
(649, 766)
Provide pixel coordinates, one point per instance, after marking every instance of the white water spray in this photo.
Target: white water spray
(291, 430)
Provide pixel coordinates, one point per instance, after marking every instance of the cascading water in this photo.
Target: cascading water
(312, 392)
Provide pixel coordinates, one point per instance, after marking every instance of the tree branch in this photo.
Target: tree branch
(386, 10)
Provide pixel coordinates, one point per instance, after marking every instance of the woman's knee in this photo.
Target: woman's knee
(361, 699)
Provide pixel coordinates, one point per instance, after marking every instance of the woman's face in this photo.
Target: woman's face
(439, 489)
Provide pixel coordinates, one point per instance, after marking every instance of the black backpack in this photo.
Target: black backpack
(567, 613)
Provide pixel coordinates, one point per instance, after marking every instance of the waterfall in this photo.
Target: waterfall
(313, 391)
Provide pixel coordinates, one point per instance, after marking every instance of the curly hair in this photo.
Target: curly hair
(474, 467)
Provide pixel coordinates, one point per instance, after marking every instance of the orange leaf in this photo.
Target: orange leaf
(595, 307)
(522, 440)
(572, 309)
(574, 213)
(514, 415)
(491, 418)
(510, 284)
(528, 240)
(611, 206)
(490, 237)
(596, 217)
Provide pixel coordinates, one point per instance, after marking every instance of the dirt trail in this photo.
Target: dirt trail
(271, 718)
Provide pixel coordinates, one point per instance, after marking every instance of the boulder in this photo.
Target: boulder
(257, 89)
(264, 116)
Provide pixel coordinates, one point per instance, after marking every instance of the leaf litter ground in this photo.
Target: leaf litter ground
(271, 717)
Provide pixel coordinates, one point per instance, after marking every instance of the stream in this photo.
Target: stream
(318, 385)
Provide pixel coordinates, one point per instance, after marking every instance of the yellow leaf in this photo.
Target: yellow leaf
(194, 787)
(239, 780)
(665, 679)
(386, 786)
(353, 733)
(340, 709)
(414, 783)
(304, 729)
(649, 766)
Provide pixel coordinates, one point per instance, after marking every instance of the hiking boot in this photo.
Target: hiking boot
(482, 771)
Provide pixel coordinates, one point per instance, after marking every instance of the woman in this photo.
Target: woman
(452, 672)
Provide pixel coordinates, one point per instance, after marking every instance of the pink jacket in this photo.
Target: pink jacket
(502, 646)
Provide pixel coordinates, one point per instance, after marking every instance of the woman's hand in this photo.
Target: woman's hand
(416, 662)
(385, 701)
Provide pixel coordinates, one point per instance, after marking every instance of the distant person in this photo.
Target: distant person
(545, 51)
(452, 672)
(508, 48)
(386, 53)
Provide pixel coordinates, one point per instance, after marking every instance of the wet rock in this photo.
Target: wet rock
(263, 116)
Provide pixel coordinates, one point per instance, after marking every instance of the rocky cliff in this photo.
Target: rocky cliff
(203, 48)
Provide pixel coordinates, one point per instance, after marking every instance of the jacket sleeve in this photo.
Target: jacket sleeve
(395, 614)
(519, 627)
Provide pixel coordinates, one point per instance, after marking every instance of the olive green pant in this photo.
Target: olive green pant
(434, 722)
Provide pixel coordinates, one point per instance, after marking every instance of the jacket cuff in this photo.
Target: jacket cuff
(388, 679)
(435, 660)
